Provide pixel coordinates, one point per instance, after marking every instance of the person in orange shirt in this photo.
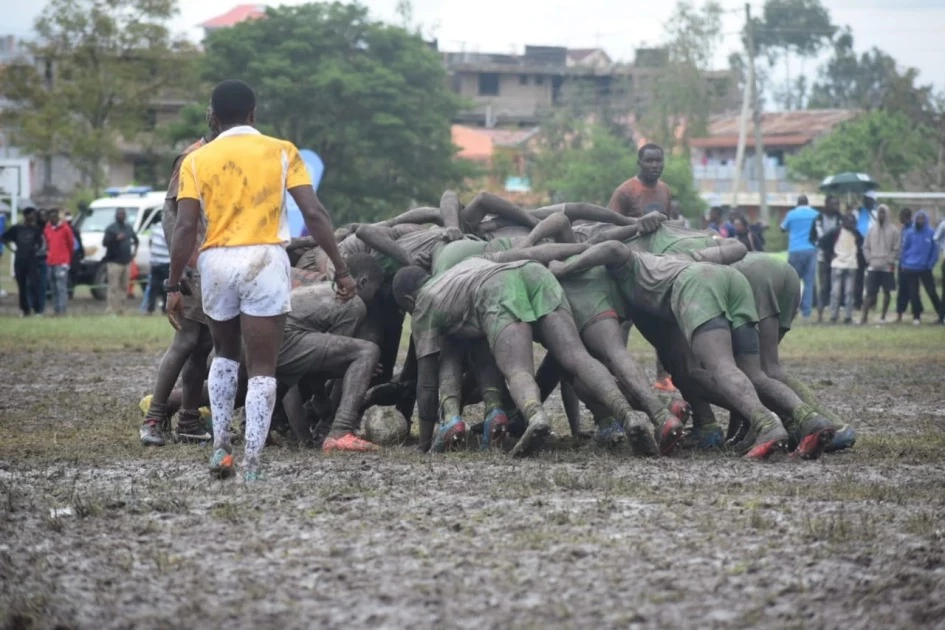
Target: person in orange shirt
(239, 184)
(639, 195)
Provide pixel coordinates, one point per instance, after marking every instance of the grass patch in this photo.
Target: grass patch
(96, 333)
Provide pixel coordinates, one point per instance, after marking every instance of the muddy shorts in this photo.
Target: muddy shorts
(304, 352)
(524, 294)
(703, 291)
(251, 279)
(593, 295)
(774, 285)
(193, 304)
(876, 280)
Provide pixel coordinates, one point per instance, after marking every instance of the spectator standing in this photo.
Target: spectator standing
(865, 218)
(42, 263)
(919, 257)
(3, 227)
(828, 220)
(78, 254)
(61, 243)
(902, 294)
(844, 247)
(715, 220)
(881, 251)
(802, 255)
(27, 241)
(939, 242)
(121, 244)
(160, 268)
(747, 235)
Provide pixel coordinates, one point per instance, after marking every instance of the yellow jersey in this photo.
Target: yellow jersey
(240, 180)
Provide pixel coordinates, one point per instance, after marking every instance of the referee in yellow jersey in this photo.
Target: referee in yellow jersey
(239, 183)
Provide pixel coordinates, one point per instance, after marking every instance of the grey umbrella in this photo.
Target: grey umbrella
(848, 183)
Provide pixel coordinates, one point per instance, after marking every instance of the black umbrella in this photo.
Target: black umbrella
(848, 183)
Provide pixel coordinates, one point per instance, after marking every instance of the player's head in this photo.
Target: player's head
(29, 216)
(52, 215)
(882, 213)
(232, 103)
(849, 221)
(407, 284)
(650, 162)
(832, 204)
(367, 273)
(120, 216)
(802, 200)
(905, 216)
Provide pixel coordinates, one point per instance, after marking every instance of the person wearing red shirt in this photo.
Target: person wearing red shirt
(61, 243)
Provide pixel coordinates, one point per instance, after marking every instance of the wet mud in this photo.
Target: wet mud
(97, 532)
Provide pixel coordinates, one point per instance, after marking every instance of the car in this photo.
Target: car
(142, 208)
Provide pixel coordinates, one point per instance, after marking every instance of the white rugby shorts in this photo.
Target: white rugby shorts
(251, 279)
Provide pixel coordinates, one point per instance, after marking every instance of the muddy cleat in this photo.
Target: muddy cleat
(495, 429)
(641, 438)
(665, 385)
(705, 437)
(766, 436)
(448, 435)
(681, 409)
(610, 434)
(221, 464)
(669, 434)
(348, 443)
(534, 437)
(192, 429)
(150, 434)
(251, 476)
(843, 439)
(815, 434)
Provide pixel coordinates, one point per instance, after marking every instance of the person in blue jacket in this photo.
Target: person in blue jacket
(918, 258)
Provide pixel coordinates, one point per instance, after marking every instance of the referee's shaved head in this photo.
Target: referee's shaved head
(233, 103)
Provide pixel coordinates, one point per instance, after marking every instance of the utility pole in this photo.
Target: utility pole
(742, 125)
(764, 214)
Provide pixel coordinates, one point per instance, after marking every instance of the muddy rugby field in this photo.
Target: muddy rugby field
(98, 532)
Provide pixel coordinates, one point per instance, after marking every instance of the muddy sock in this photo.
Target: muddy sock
(156, 413)
(449, 407)
(803, 392)
(188, 420)
(533, 411)
(221, 385)
(260, 401)
(491, 399)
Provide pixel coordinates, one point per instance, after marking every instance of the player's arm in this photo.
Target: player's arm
(579, 211)
(427, 389)
(544, 254)
(319, 226)
(616, 234)
(417, 216)
(486, 203)
(382, 240)
(449, 210)
(610, 253)
(556, 227)
(728, 251)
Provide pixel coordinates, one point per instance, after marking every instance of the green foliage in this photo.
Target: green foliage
(682, 98)
(678, 176)
(100, 64)
(884, 144)
(371, 99)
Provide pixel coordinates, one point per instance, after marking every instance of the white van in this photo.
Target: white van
(142, 208)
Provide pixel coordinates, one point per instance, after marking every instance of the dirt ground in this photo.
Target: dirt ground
(96, 532)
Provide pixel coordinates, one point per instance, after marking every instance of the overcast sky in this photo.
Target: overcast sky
(909, 30)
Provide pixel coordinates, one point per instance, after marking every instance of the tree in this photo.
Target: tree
(371, 99)
(682, 99)
(678, 176)
(96, 67)
(887, 145)
(792, 28)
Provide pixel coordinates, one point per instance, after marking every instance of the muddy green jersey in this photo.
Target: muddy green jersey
(671, 238)
(456, 252)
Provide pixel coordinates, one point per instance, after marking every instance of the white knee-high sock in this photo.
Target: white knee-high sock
(260, 401)
(221, 385)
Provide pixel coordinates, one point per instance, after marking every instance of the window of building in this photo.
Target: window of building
(488, 84)
(539, 79)
(523, 79)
